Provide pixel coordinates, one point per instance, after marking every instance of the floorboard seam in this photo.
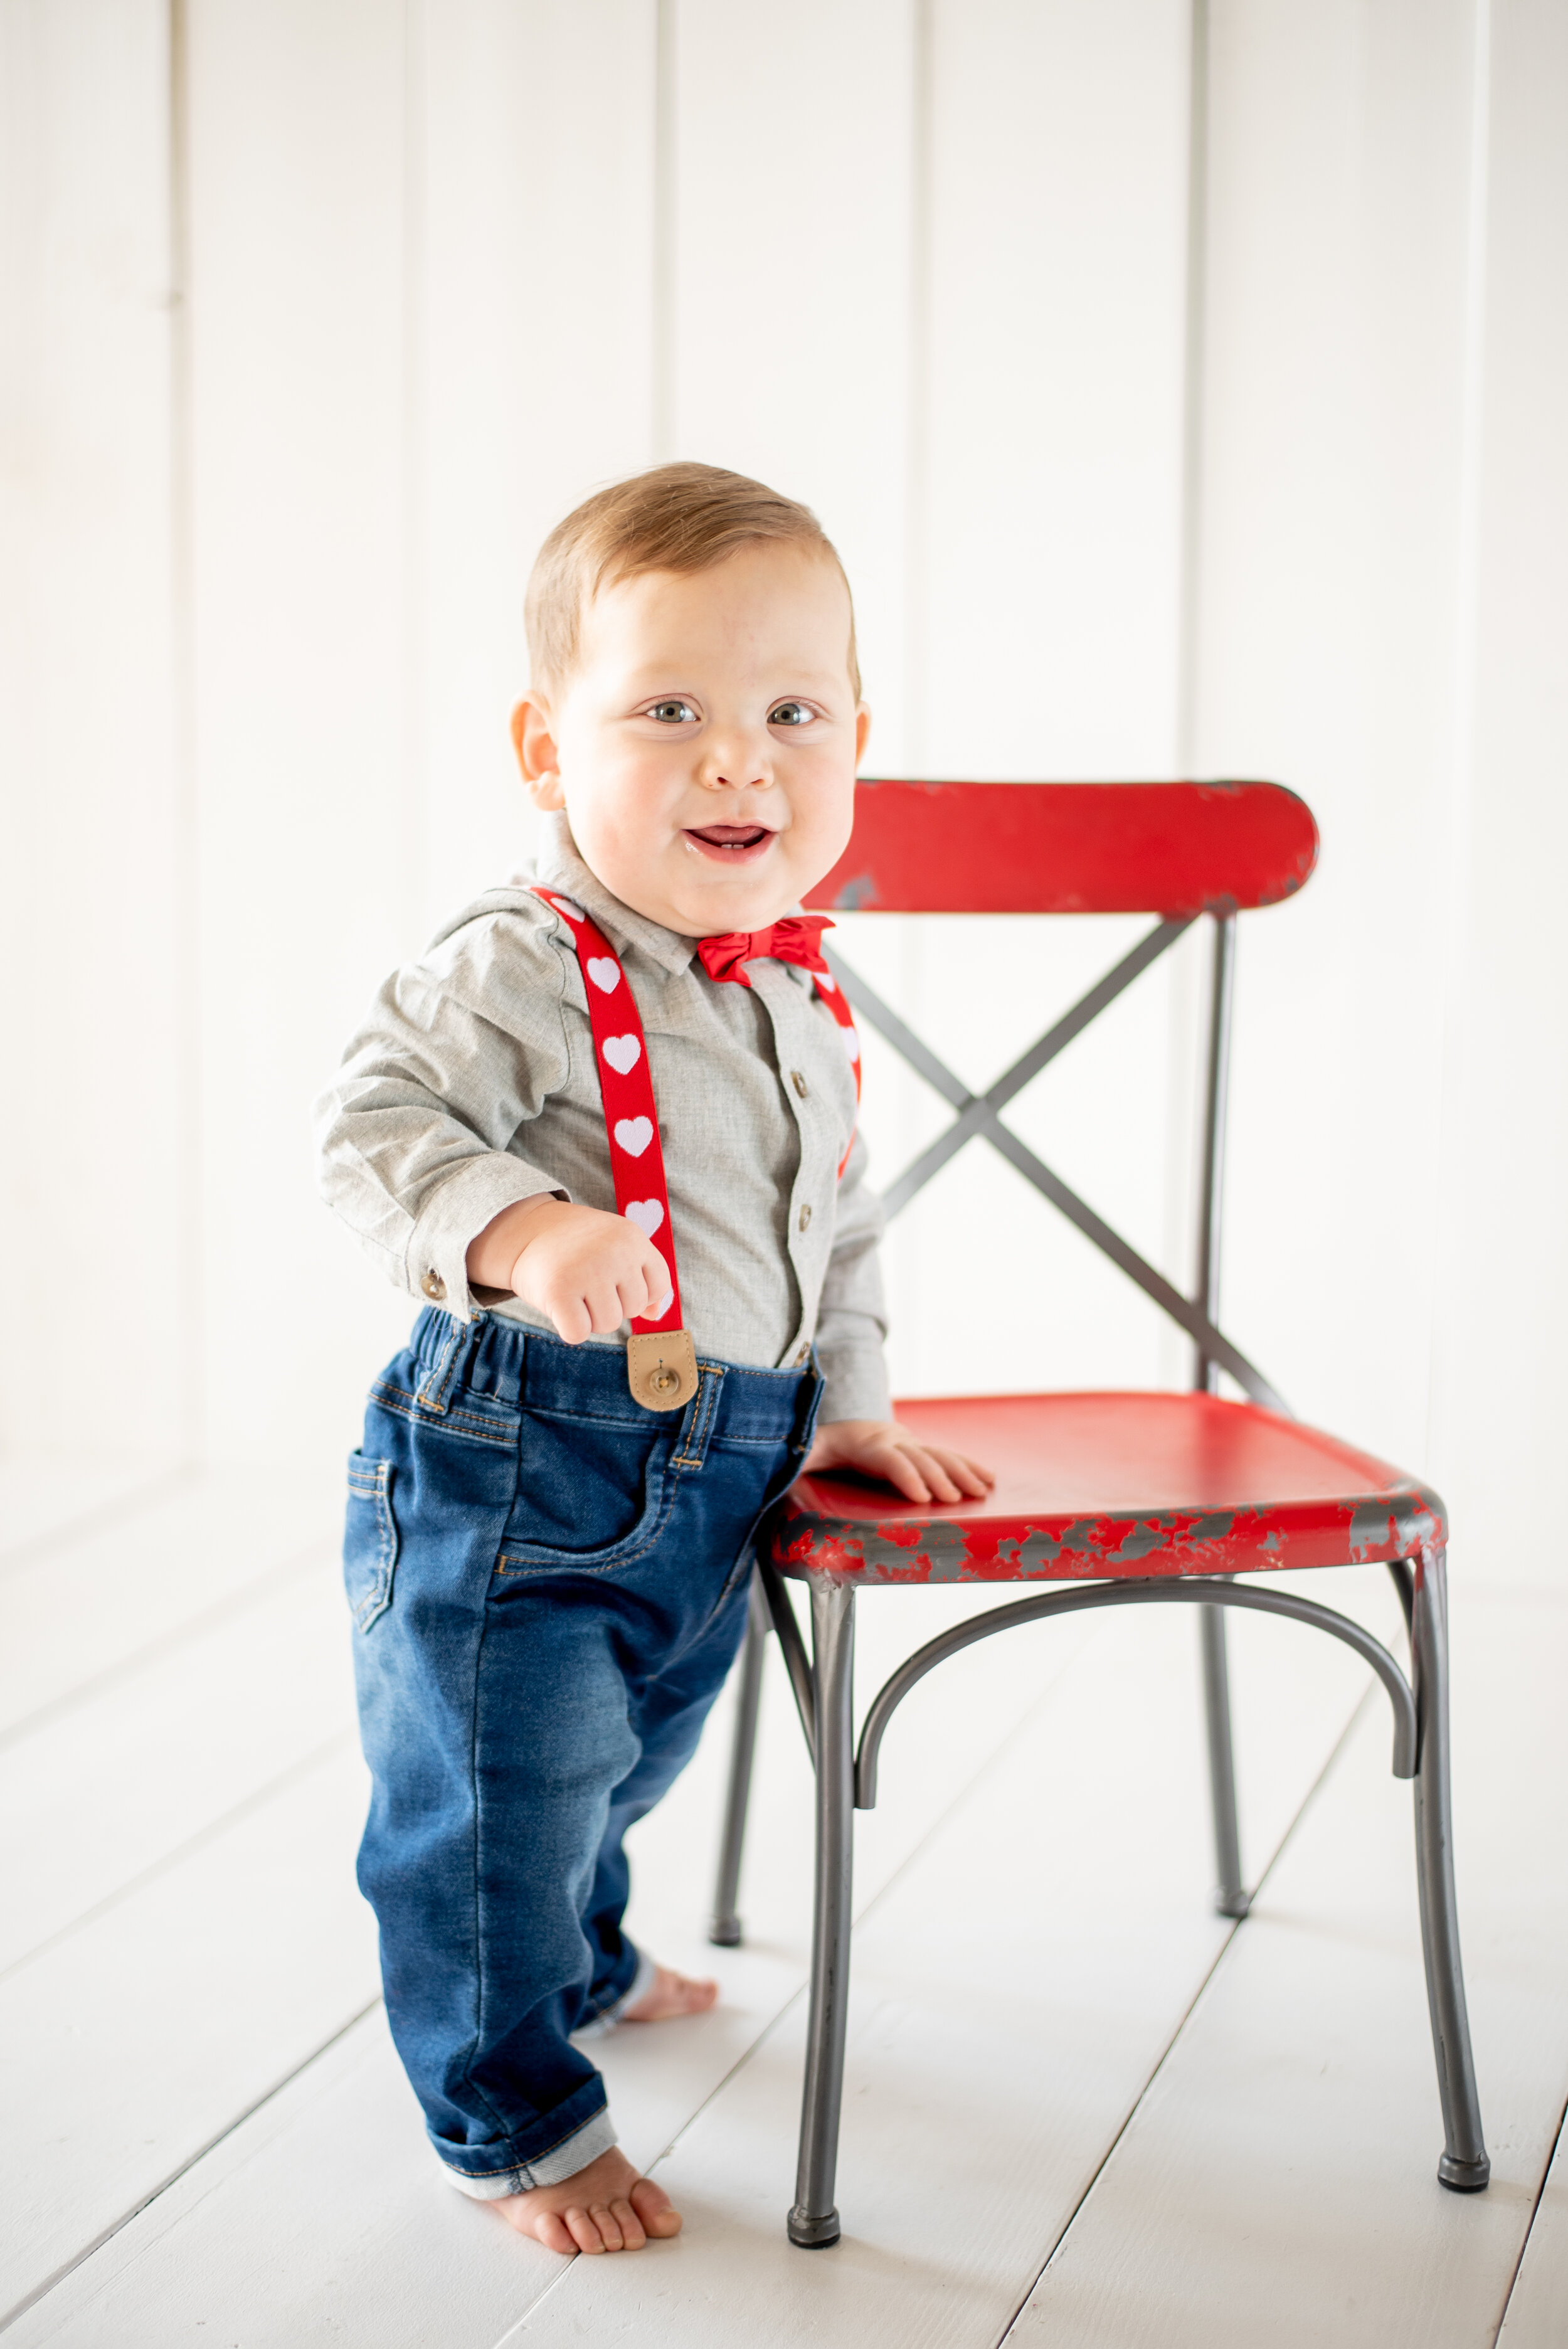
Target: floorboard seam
(777, 2018)
(1188, 2011)
(513, 2330)
(182, 2170)
(182, 1852)
(133, 1503)
(1024, 1721)
(1530, 2229)
(993, 1759)
(11, 2316)
(774, 2022)
(297, 1563)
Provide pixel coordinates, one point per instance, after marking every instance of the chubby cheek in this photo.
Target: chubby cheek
(629, 805)
(824, 816)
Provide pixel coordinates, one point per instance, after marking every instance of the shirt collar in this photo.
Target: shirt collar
(558, 865)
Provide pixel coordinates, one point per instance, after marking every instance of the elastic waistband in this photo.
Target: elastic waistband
(533, 1370)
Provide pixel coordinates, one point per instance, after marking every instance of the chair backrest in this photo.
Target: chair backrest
(1070, 848)
(1177, 850)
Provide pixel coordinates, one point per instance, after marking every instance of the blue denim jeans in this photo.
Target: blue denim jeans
(548, 1585)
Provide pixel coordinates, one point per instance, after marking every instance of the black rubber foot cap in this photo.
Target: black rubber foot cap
(1463, 2177)
(1232, 1904)
(725, 1932)
(813, 2234)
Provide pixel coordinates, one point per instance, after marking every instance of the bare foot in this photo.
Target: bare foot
(668, 1994)
(605, 2208)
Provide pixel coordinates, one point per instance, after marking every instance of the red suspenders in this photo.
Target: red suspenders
(661, 1359)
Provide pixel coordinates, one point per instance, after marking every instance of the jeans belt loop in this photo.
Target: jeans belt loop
(435, 1385)
(697, 1425)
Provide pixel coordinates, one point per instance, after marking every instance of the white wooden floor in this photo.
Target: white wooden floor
(1080, 2108)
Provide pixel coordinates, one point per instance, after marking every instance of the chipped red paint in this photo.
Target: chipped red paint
(1097, 1487)
(1070, 848)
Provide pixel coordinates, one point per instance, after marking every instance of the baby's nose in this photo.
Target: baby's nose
(736, 766)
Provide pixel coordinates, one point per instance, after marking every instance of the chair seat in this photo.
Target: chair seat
(1106, 1485)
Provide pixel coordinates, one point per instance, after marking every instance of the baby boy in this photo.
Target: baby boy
(640, 1327)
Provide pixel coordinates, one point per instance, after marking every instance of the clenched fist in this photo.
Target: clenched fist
(586, 1271)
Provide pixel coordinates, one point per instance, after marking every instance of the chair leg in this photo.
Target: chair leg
(1464, 2165)
(1230, 1899)
(814, 2222)
(725, 1929)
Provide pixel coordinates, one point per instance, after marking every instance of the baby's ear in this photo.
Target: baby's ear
(863, 732)
(535, 742)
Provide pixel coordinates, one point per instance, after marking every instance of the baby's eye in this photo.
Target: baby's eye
(790, 713)
(672, 713)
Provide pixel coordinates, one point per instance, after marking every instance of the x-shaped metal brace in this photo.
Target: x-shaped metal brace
(980, 1113)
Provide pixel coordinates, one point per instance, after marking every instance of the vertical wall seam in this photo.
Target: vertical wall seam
(414, 774)
(911, 1314)
(1183, 1131)
(917, 488)
(188, 1270)
(1190, 581)
(1461, 768)
(667, 129)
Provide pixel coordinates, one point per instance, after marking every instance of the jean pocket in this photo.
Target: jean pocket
(592, 1494)
(370, 1539)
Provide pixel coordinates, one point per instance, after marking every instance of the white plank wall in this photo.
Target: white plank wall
(791, 266)
(1046, 632)
(1335, 382)
(427, 249)
(1501, 1377)
(532, 371)
(299, 453)
(95, 1175)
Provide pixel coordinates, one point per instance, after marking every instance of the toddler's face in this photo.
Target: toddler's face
(705, 748)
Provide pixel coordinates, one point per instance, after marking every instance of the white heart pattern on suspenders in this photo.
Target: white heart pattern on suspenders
(661, 1359)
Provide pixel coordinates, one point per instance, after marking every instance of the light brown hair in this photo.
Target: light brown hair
(675, 518)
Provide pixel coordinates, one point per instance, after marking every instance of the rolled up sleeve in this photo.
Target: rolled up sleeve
(416, 1137)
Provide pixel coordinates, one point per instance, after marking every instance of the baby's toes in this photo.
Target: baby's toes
(605, 2216)
(583, 2230)
(629, 2225)
(652, 2205)
(552, 2232)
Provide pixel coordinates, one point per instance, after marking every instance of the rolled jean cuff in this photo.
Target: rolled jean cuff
(604, 2022)
(596, 2135)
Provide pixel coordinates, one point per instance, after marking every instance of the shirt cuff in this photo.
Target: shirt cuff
(435, 1266)
(855, 1381)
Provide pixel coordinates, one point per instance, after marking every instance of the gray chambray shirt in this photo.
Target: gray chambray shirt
(473, 1085)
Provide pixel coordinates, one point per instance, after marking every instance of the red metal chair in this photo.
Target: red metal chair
(1131, 1498)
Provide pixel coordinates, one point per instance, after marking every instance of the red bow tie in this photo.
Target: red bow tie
(794, 939)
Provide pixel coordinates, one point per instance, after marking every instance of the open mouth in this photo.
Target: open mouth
(731, 844)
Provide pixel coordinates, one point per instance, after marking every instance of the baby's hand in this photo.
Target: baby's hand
(881, 1447)
(586, 1271)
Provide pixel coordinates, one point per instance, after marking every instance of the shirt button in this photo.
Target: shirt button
(799, 1082)
(804, 1219)
(434, 1286)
